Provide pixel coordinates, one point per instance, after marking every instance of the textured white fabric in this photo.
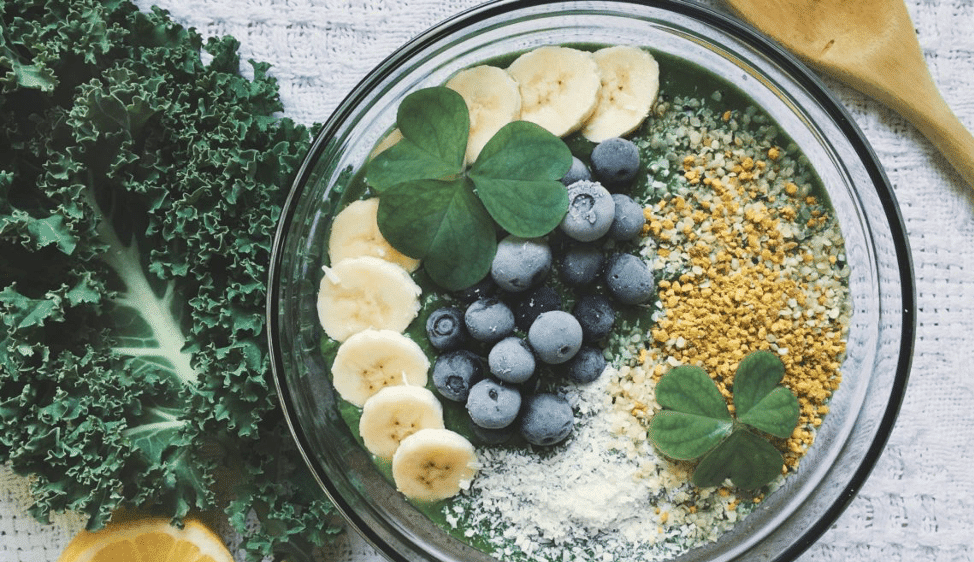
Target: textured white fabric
(918, 504)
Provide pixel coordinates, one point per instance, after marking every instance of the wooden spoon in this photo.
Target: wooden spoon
(870, 45)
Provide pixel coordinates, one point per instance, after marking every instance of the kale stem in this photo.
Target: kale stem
(166, 332)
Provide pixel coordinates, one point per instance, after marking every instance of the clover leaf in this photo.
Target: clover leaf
(434, 126)
(695, 414)
(443, 222)
(431, 207)
(695, 422)
(758, 400)
(517, 177)
(747, 459)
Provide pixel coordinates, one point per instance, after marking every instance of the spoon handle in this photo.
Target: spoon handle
(940, 126)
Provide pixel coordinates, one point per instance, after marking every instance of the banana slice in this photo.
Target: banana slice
(630, 83)
(493, 100)
(387, 141)
(434, 464)
(355, 233)
(394, 413)
(366, 292)
(372, 360)
(559, 87)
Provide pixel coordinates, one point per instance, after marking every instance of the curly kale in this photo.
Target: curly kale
(139, 193)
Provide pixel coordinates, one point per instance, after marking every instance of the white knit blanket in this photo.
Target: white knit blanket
(918, 504)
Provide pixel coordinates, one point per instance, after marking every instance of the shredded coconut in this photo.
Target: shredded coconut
(552, 503)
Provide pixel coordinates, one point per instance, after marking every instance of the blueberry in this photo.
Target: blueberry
(578, 172)
(629, 218)
(511, 360)
(590, 211)
(445, 329)
(493, 405)
(520, 263)
(581, 264)
(596, 315)
(533, 303)
(547, 419)
(629, 279)
(489, 320)
(587, 365)
(455, 372)
(495, 436)
(555, 336)
(615, 162)
(484, 288)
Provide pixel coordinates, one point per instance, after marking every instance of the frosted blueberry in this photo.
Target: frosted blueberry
(596, 315)
(629, 218)
(495, 436)
(590, 211)
(629, 279)
(615, 162)
(555, 337)
(486, 287)
(493, 405)
(533, 303)
(587, 365)
(511, 360)
(445, 329)
(488, 320)
(520, 263)
(578, 172)
(547, 419)
(581, 264)
(455, 372)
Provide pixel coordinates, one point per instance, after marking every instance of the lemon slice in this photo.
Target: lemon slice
(148, 540)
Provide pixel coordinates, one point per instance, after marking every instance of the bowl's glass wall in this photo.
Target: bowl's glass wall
(881, 334)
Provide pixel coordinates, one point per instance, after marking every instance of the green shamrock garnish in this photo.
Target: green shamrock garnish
(432, 207)
(695, 422)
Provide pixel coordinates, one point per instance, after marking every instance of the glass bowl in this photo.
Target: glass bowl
(881, 333)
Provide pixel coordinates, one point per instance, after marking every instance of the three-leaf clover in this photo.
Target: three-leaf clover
(695, 422)
(433, 208)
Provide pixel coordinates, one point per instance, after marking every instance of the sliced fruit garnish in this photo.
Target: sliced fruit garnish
(355, 233)
(366, 292)
(371, 360)
(387, 141)
(396, 412)
(559, 87)
(630, 83)
(434, 464)
(147, 540)
(493, 100)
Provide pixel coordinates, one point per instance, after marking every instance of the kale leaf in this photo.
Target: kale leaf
(139, 193)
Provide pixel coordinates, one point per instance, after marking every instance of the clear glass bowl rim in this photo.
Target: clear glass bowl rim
(790, 65)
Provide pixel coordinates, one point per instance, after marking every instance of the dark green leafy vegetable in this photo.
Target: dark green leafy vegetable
(431, 208)
(747, 459)
(695, 421)
(443, 222)
(139, 193)
(516, 176)
(696, 416)
(434, 125)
